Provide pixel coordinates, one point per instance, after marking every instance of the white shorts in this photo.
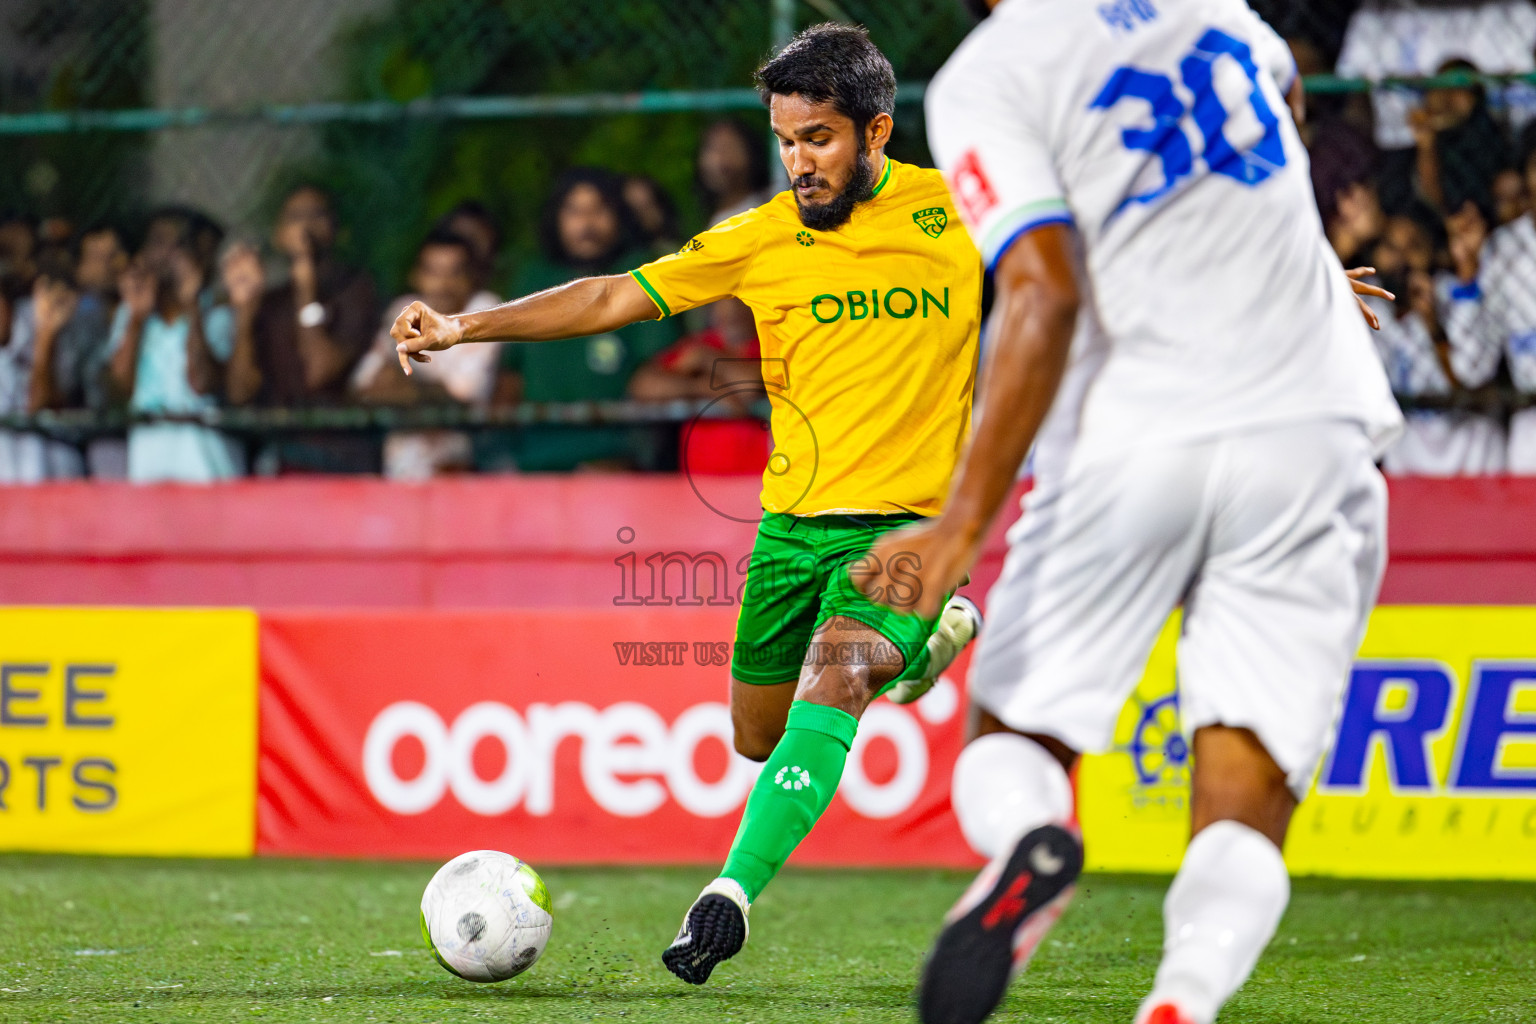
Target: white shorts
(1274, 541)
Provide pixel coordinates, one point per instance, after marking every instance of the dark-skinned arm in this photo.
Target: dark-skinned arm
(205, 374)
(590, 305)
(125, 360)
(1034, 318)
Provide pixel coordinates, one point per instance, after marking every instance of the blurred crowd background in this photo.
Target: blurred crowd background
(210, 214)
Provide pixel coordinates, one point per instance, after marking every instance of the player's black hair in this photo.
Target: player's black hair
(837, 64)
(442, 236)
(611, 187)
(978, 9)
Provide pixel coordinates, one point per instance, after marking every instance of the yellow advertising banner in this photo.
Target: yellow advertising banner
(128, 731)
(1431, 772)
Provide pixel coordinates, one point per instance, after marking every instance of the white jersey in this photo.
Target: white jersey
(1159, 129)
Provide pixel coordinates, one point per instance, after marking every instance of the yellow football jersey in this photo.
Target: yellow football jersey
(868, 337)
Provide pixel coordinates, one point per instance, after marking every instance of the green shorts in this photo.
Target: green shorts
(797, 579)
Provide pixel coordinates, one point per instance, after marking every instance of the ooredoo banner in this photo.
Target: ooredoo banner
(604, 736)
(562, 736)
(127, 731)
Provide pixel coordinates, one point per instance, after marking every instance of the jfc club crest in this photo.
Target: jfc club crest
(932, 220)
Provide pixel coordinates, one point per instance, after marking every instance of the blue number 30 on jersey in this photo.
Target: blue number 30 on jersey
(1166, 138)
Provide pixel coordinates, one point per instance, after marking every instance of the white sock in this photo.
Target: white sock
(1220, 913)
(1004, 785)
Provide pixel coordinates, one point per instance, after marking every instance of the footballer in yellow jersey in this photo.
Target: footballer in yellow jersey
(868, 337)
(866, 292)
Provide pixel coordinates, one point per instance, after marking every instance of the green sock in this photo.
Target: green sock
(793, 791)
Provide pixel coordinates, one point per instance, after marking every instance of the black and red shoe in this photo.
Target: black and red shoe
(991, 933)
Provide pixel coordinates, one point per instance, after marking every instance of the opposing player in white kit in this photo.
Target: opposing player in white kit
(1177, 339)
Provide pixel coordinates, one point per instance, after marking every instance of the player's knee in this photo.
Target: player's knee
(848, 688)
(755, 744)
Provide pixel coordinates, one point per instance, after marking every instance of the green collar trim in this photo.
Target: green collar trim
(885, 176)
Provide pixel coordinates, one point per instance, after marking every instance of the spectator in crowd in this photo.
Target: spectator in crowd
(731, 169)
(11, 290)
(720, 362)
(1459, 146)
(654, 212)
(472, 221)
(55, 230)
(297, 342)
(1391, 38)
(444, 277)
(1510, 200)
(169, 348)
(586, 229)
(69, 325)
(1343, 169)
(1421, 361)
(1324, 111)
(1493, 308)
(1321, 23)
(40, 348)
(101, 258)
(18, 245)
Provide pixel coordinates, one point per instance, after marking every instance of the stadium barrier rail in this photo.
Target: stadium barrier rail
(77, 424)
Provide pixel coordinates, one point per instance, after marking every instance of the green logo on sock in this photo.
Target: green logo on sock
(793, 778)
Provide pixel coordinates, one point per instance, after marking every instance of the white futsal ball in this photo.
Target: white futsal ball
(486, 916)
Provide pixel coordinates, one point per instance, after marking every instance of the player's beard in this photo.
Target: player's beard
(835, 212)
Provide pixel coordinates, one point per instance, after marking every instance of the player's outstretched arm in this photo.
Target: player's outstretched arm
(590, 305)
(1034, 318)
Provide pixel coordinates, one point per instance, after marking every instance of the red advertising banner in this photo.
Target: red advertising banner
(562, 736)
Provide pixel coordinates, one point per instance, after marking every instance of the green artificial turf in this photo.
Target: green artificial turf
(85, 939)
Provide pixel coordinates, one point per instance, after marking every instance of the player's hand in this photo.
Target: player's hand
(420, 329)
(916, 568)
(1356, 282)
